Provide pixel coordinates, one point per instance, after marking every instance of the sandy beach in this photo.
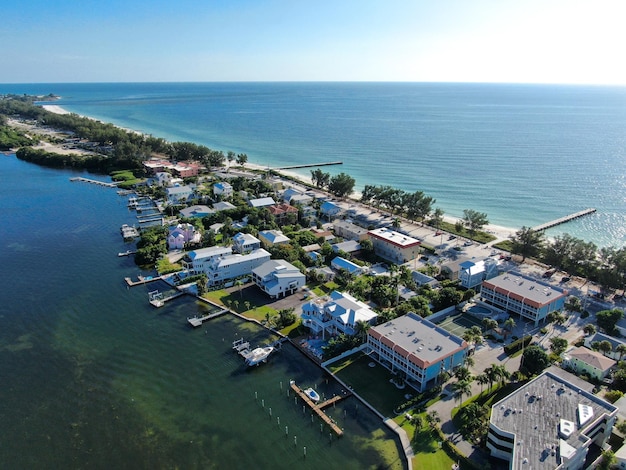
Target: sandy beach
(502, 233)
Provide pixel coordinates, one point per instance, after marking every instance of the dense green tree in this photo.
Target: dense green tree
(242, 159)
(607, 319)
(474, 220)
(558, 345)
(527, 242)
(534, 360)
(447, 297)
(341, 185)
(320, 179)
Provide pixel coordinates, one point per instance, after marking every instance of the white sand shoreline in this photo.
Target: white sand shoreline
(501, 232)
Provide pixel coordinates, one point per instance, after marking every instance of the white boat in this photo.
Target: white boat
(312, 394)
(258, 355)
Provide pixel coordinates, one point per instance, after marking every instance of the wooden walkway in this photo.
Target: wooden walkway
(100, 183)
(197, 321)
(157, 300)
(562, 220)
(318, 408)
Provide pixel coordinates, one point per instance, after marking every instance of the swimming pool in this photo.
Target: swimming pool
(479, 310)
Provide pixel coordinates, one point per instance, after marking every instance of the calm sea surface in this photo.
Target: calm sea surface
(94, 377)
(524, 154)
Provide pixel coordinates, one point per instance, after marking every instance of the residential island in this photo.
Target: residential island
(502, 346)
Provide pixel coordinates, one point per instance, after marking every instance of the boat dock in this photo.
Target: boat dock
(197, 321)
(129, 232)
(158, 300)
(140, 280)
(562, 220)
(318, 408)
(127, 253)
(100, 183)
(308, 165)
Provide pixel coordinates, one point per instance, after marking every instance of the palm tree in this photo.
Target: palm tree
(433, 418)
(621, 350)
(482, 379)
(501, 373)
(462, 373)
(239, 284)
(489, 324)
(590, 329)
(360, 330)
(509, 324)
(462, 387)
(605, 347)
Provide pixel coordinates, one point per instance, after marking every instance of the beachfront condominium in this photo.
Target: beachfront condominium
(394, 246)
(549, 423)
(417, 348)
(523, 296)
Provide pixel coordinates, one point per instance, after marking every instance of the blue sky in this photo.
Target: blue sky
(515, 41)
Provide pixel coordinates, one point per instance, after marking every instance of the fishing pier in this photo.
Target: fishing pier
(318, 408)
(562, 220)
(306, 165)
(100, 183)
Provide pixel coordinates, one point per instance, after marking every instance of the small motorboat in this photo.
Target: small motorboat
(312, 394)
(257, 355)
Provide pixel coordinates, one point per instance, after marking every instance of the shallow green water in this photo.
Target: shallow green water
(95, 377)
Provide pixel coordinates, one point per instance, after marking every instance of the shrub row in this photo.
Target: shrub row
(518, 344)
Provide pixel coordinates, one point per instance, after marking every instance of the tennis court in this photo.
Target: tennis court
(459, 323)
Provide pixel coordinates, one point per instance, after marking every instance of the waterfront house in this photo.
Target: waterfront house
(589, 362)
(220, 264)
(522, 295)
(336, 314)
(278, 278)
(270, 238)
(245, 243)
(418, 349)
(394, 246)
(187, 169)
(549, 423)
(223, 189)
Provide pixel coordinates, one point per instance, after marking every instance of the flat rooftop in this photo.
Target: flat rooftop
(524, 289)
(396, 238)
(420, 338)
(540, 412)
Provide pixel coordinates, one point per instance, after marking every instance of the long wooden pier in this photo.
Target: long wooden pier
(318, 408)
(307, 165)
(197, 321)
(100, 183)
(562, 220)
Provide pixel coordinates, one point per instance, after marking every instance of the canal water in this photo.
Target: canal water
(95, 377)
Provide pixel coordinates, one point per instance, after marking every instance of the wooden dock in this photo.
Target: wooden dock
(100, 183)
(141, 280)
(158, 300)
(308, 165)
(318, 408)
(562, 220)
(197, 321)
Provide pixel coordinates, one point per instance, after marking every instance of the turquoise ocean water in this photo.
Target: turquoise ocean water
(92, 376)
(523, 154)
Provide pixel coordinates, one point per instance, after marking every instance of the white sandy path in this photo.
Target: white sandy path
(499, 231)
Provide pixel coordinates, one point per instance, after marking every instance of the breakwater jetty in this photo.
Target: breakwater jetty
(100, 183)
(562, 220)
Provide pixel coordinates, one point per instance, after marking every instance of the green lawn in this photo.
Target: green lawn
(372, 383)
(428, 454)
